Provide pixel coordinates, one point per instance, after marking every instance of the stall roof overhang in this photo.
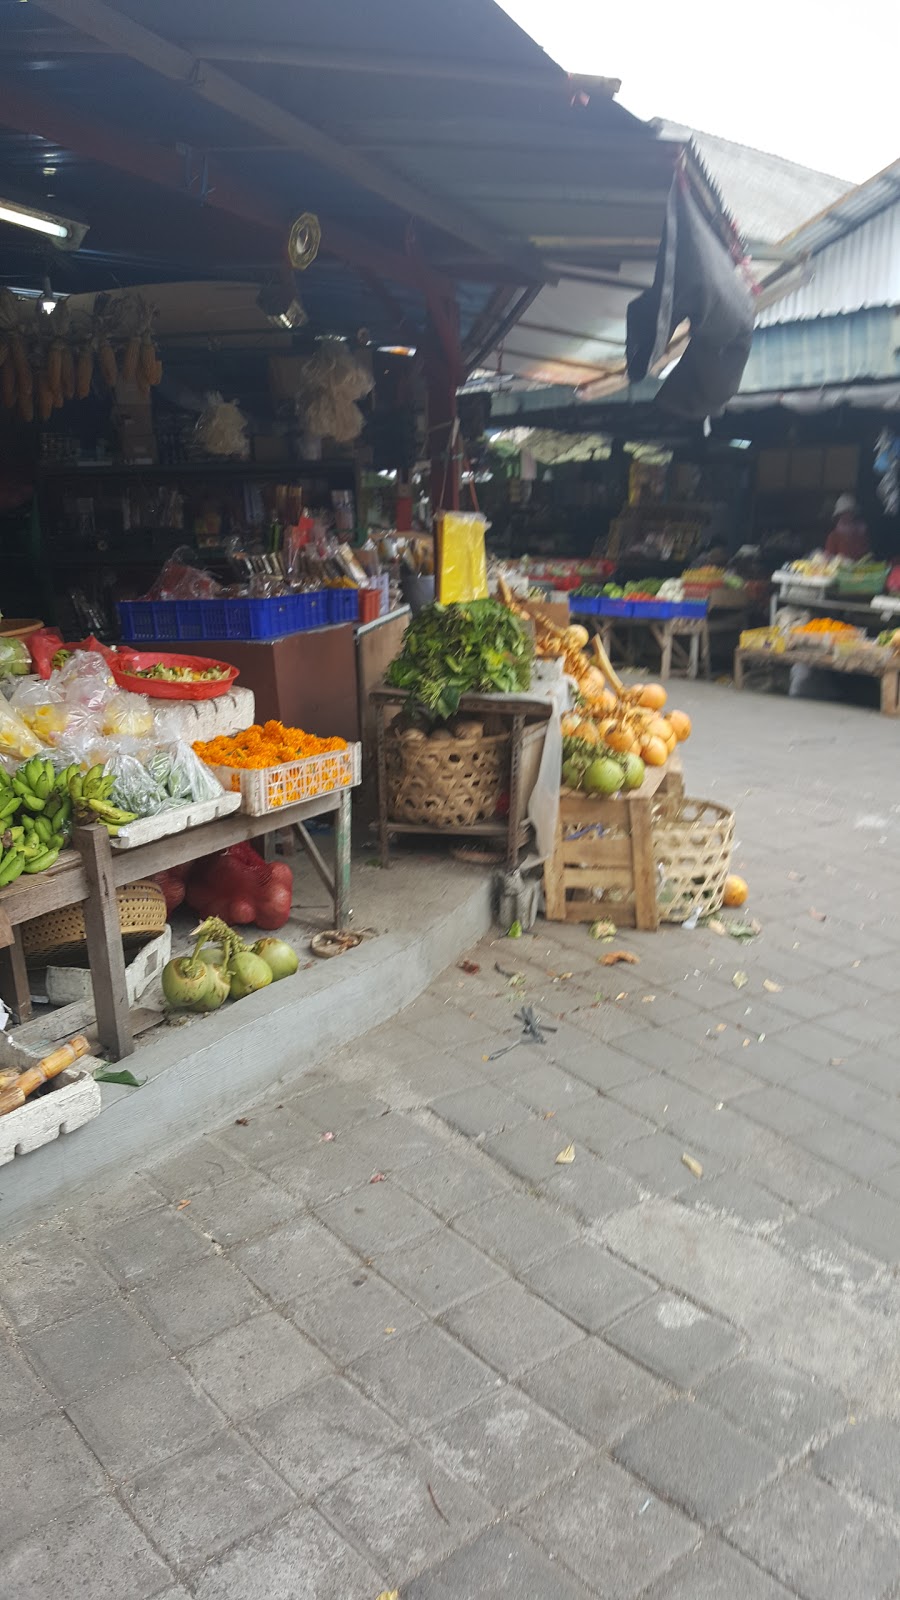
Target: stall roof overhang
(444, 152)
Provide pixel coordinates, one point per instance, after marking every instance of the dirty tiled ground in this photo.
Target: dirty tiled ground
(373, 1335)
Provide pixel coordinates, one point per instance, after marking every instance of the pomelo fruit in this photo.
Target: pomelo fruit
(633, 768)
(603, 776)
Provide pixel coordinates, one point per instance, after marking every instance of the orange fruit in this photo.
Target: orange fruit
(680, 723)
(654, 752)
(736, 891)
(587, 731)
(671, 743)
(570, 724)
(608, 701)
(654, 696)
(659, 728)
(619, 739)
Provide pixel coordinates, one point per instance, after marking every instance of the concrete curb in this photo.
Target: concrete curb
(200, 1074)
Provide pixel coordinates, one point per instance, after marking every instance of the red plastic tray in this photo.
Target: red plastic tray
(157, 688)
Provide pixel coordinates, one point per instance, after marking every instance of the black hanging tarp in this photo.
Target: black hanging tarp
(696, 279)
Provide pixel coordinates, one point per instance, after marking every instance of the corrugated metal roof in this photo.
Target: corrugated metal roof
(854, 347)
(766, 195)
(855, 248)
(860, 270)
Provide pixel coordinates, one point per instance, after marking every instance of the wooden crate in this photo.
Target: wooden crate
(603, 866)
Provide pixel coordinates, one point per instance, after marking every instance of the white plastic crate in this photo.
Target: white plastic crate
(265, 789)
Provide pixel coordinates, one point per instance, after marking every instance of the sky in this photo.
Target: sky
(814, 83)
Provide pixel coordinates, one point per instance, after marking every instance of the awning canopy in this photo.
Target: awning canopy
(446, 156)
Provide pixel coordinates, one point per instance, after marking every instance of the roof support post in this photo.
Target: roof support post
(444, 372)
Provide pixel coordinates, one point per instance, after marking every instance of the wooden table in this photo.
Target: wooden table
(91, 873)
(526, 715)
(668, 634)
(748, 661)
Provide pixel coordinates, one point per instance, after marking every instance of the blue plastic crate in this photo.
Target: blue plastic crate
(616, 608)
(588, 604)
(136, 620)
(144, 621)
(654, 610)
(691, 608)
(343, 605)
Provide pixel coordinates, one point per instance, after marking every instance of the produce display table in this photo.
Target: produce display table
(527, 716)
(668, 636)
(747, 661)
(603, 864)
(91, 873)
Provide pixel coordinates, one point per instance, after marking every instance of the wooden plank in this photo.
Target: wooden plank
(554, 889)
(64, 884)
(106, 958)
(621, 912)
(890, 693)
(594, 852)
(506, 705)
(173, 851)
(14, 985)
(643, 866)
(597, 877)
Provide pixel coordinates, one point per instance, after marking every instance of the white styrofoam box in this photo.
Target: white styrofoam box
(176, 820)
(191, 720)
(73, 1101)
(546, 671)
(67, 985)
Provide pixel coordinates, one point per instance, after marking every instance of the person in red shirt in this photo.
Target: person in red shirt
(849, 536)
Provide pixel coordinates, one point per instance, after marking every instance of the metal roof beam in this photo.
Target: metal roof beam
(110, 147)
(171, 61)
(497, 74)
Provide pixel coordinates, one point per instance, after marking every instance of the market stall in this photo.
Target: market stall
(101, 794)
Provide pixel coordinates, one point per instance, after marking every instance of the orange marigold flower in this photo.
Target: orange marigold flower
(269, 745)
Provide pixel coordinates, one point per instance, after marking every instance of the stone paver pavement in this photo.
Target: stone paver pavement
(372, 1336)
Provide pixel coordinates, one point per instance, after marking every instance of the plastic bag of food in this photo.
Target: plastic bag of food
(41, 706)
(188, 776)
(85, 680)
(159, 780)
(128, 716)
(181, 580)
(17, 741)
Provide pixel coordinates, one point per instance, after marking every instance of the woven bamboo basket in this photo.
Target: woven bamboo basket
(692, 845)
(450, 783)
(142, 915)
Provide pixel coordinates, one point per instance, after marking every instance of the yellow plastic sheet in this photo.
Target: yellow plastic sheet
(463, 563)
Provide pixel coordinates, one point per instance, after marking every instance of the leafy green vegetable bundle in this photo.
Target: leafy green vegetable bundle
(475, 647)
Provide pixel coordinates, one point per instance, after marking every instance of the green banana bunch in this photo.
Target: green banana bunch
(32, 783)
(42, 862)
(89, 798)
(12, 865)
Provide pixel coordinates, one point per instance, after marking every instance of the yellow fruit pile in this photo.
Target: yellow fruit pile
(622, 719)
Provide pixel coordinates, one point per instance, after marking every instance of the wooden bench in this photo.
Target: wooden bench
(747, 661)
(90, 873)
